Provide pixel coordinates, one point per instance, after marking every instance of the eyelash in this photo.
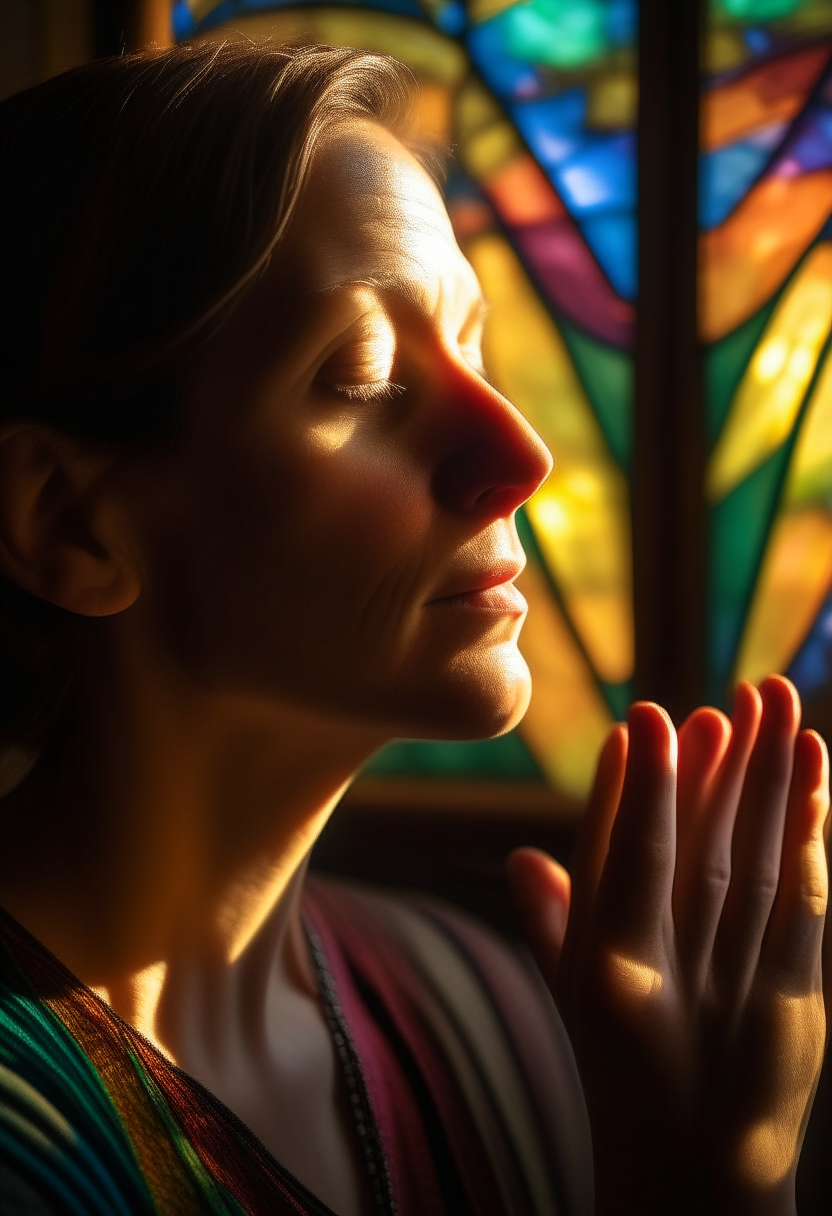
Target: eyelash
(377, 390)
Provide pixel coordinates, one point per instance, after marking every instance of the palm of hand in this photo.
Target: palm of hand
(688, 974)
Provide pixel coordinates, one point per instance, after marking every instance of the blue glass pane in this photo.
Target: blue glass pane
(600, 177)
(725, 174)
(553, 128)
(812, 666)
(812, 148)
(184, 22)
(613, 240)
(507, 76)
(451, 18)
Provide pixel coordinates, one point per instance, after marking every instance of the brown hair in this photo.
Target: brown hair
(142, 197)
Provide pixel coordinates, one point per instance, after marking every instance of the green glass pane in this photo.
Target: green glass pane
(506, 758)
(758, 10)
(725, 363)
(607, 376)
(739, 526)
(619, 697)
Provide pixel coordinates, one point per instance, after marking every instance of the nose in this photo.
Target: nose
(494, 459)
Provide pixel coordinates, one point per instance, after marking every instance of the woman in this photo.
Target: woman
(257, 519)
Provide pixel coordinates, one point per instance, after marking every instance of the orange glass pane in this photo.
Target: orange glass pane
(581, 516)
(749, 256)
(567, 719)
(772, 93)
(522, 193)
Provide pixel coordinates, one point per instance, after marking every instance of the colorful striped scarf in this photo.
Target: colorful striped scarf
(457, 1066)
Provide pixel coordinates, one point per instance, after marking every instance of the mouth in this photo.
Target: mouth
(491, 591)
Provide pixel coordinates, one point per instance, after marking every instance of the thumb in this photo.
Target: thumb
(541, 889)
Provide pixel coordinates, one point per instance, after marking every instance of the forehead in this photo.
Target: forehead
(369, 212)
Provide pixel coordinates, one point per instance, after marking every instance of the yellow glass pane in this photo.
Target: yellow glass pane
(774, 92)
(746, 259)
(723, 51)
(201, 8)
(428, 52)
(772, 389)
(567, 719)
(812, 17)
(581, 515)
(794, 580)
(487, 140)
(612, 101)
(810, 473)
(481, 10)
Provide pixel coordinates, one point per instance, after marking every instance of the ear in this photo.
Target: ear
(63, 534)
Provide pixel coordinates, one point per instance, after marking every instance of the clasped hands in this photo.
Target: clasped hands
(685, 954)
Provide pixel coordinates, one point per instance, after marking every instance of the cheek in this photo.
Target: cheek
(290, 569)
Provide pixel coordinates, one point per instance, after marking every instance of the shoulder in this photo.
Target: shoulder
(62, 1146)
(488, 1003)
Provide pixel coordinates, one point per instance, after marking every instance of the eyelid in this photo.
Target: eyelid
(374, 390)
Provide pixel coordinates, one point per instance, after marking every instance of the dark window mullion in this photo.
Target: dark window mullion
(668, 510)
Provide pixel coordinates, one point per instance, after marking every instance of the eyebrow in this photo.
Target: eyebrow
(478, 311)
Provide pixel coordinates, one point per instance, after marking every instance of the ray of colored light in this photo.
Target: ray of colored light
(581, 516)
(771, 391)
(746, 258)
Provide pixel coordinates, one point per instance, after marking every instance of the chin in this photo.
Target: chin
(474, 700)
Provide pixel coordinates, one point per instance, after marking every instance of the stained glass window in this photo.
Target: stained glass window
(538, 101)
(766, 318)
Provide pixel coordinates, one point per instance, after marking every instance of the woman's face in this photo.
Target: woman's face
(336, 528)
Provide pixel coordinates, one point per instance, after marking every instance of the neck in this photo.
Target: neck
(175, 822)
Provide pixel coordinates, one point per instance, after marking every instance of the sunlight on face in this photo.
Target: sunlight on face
(347, 482)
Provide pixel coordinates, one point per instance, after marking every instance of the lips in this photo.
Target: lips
(492, 589)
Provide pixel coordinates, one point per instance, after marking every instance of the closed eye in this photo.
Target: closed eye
(375, 390)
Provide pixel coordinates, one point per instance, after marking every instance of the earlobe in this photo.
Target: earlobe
(62, 535)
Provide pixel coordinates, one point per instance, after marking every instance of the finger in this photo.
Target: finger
(791, 952)
(541, 891)
(703, 740)
(633, 910)
(757, 840)
(703, 854)
(587, 863)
